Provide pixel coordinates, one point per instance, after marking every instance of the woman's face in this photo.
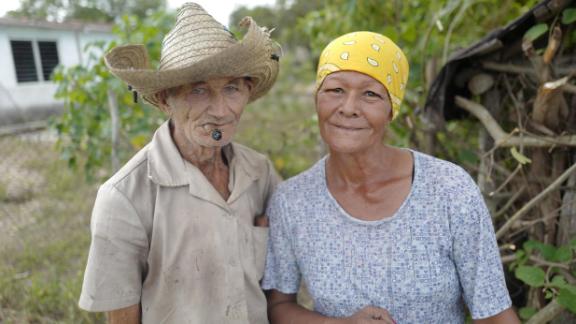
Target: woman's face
(353, 110)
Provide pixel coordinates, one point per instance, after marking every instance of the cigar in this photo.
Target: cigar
(216, 134)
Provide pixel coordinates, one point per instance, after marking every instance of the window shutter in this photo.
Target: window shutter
(23, 55)
(48, 58)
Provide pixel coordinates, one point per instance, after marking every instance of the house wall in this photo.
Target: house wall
(20, 102)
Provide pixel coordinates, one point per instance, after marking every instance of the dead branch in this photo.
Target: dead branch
(547, 313)
(568, 276)
(523, 69)
(510, 68)
(569, 88)
(503, 139)
(510, 177)
(537, 261)
(509, 203)
(553, 186)
(553, 45)
(508, 258)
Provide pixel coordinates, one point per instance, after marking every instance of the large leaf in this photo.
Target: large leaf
(548, 251)
(527, 312)
(569, 16)
(532, 276)
(561, 283)
(562, 254)
(535, 32)
(567, 299)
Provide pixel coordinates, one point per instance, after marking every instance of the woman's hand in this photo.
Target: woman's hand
(370, 315)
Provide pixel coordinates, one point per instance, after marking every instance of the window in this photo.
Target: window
(34, 60)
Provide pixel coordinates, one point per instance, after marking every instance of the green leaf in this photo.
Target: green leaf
(562, 254)
(560, 283)
(535, 32)
(521, 158)
(548, 252)
(527, 312)
(569, 16)
(532, 276)
(567, 299)
(530, 245)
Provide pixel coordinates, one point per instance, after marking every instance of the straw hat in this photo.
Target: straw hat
(198, 48)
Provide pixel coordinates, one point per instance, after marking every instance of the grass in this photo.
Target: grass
(44, 235)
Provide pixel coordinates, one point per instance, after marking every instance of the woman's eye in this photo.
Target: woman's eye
(372, 94)
(335, 90)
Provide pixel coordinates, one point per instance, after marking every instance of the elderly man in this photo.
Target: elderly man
(173, 232)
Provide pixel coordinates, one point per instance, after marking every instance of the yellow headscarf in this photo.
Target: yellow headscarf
(369, 53)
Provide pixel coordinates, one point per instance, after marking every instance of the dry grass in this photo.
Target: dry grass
(44, 234)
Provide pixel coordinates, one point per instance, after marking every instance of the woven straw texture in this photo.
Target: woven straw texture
(198, 48)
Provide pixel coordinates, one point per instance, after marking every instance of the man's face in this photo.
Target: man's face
(199, 108)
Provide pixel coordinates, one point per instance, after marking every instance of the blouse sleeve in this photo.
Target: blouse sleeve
(476, 254)
(281, 272)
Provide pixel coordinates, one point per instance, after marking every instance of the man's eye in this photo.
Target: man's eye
(232, 88)
(198, 91)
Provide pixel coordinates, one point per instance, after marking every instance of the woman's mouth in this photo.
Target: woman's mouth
(348, 127)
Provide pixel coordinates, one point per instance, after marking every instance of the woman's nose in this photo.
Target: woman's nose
(349, 107)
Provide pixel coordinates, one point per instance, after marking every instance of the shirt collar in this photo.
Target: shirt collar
(166, 167)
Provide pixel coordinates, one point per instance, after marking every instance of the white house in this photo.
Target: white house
(29, 52)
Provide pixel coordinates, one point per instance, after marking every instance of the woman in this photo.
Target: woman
(379, 234)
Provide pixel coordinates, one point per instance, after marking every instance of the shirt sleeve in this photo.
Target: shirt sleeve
(117, 256)
(476, 254)
(281, 271)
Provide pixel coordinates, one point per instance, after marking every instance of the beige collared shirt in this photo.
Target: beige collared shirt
(163, 236)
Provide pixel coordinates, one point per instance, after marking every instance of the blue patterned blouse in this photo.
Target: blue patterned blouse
(423, 264)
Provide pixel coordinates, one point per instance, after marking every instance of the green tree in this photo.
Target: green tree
(282, 17)
(85, 10)
(84, 127)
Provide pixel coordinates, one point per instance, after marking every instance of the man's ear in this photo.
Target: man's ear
(249, 83)
(162, 99)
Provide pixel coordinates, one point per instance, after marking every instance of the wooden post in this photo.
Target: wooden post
(115, 123)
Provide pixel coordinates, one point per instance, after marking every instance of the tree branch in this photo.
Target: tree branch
(537, 261)
(547, 313)
(553, 186)
(523, 69)
(503, 139)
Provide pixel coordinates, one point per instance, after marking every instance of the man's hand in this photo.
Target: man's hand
(261, 221)
(128, 315)
(370, 315)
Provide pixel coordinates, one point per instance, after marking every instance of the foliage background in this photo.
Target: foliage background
(282, 124)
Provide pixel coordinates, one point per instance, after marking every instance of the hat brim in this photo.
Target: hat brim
(251, 57)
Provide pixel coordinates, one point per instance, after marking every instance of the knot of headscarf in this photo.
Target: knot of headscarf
(369, 53)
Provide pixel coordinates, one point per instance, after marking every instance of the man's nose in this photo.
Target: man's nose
(218, 106)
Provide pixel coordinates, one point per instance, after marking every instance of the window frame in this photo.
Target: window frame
(37, 57)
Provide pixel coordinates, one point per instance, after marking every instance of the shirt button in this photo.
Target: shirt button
(232, 262)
